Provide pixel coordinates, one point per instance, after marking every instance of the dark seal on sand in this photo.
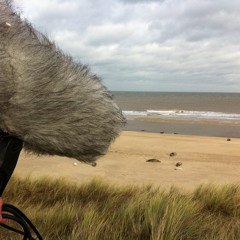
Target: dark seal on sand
(172, 154)
(178, 164)
(153, 160)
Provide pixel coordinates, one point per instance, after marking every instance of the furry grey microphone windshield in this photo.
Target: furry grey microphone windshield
(53, 104)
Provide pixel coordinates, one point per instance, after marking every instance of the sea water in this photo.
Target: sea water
(209, 114)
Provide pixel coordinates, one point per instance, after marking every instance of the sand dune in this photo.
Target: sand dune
(204, 160)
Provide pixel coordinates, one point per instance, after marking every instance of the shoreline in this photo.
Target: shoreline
(195, 121)
(204, 160)
(184, 127)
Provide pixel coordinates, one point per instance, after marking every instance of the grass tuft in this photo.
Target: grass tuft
(97, 210)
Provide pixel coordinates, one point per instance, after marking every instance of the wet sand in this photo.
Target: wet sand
(204, 160)
(185, 127)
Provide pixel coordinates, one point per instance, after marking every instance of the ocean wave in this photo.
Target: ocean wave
(184, 114)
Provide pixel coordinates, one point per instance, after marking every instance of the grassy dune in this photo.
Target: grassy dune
(97, 210)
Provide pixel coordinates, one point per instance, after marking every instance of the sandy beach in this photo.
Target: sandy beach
(204, 160)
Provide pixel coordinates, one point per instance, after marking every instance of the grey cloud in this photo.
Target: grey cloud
(141, 1)
(196, 21)
(153, 45)
(65, 14)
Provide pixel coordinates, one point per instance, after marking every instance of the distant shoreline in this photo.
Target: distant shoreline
(194, 128)
(200, 114)
(201, 92)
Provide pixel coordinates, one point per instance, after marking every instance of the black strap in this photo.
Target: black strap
(11, 213)
(10, 148)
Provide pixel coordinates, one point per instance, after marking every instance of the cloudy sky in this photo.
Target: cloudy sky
(147, 45)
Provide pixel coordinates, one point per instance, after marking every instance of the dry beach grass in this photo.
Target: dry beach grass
(97, 210)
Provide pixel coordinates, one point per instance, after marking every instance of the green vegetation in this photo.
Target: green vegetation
(97, 210)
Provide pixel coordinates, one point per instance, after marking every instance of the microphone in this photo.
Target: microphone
(53, 104)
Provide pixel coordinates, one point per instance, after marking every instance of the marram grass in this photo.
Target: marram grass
(100, 211)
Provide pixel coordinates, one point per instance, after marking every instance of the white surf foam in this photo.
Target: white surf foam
(183, 114)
